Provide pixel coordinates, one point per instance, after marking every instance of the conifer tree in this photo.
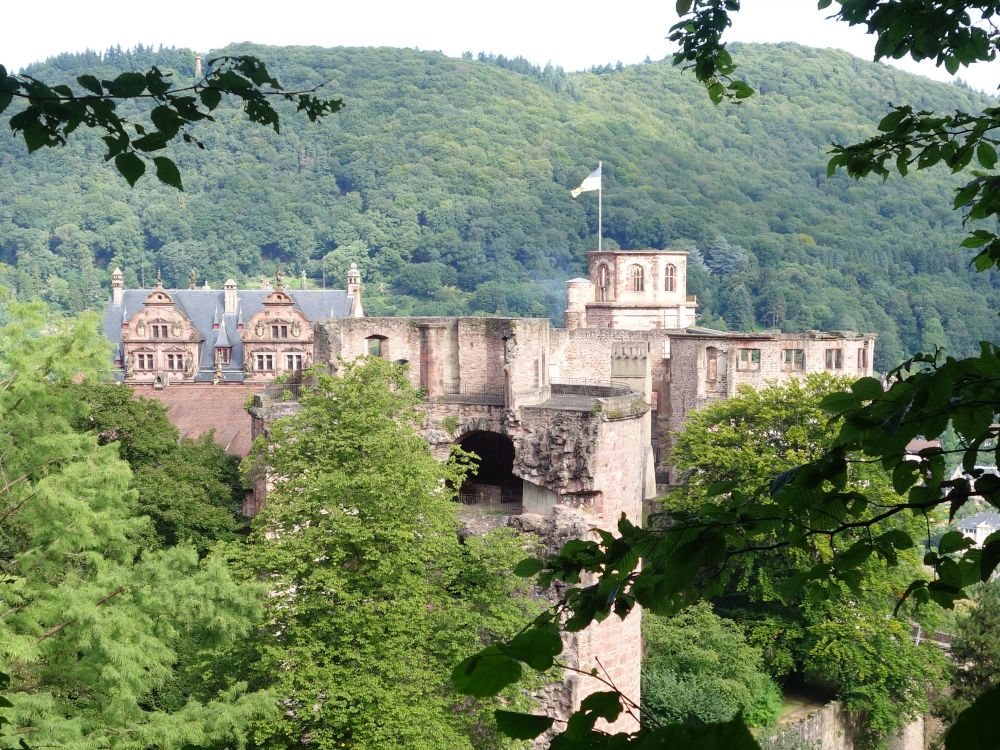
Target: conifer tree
(90, 624)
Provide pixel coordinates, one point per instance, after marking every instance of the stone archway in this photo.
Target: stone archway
(492, 484)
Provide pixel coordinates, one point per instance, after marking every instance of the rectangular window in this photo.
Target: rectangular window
(160, 331)
(143, 361)
(793, 359)
(655, 406)
(175, 361)
(749, 359)
(862, 359)
(293, 361)
(222, 355)
(375, 347)
(265, 362)
(834, 359)
(279, 332)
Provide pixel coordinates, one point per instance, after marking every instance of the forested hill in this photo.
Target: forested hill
(448, 181)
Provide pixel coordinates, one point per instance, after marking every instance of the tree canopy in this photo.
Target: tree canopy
(95, 628)
(374, 592)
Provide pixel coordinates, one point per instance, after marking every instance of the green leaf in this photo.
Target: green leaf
(975, 724)
(990, 556)
(953, 541)
(126, 85)
(130, 166)
(891, 121)
(537, 647)
(90, 83)
(486, 673)
(528, 567)
(167, 172)
(521, 726)
(210, 97)
(683, 7)
(966, 194)
(606, 704)
(867, 389)
(986, 154)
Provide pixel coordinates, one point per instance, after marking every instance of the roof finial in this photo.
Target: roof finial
(303, 278)
(192, 280)
(159, 279)
(279, 280)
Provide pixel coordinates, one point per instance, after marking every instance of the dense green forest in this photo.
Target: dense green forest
(447, 181)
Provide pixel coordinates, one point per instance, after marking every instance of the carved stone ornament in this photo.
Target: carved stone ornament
(296, 328)
(189, 366)
(175, 328)
(259, 329)
(140, 328)
(124, 335)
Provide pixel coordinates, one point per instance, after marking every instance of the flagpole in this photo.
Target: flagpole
(600, 193)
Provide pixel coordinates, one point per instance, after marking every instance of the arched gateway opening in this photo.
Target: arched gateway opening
(492, 484)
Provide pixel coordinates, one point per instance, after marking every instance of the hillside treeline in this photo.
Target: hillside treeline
(447, 181)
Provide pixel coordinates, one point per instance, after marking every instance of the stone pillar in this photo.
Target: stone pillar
(431, 363)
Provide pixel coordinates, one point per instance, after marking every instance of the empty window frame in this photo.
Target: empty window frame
(670, 278)
(712, 361)
(834, 359)
(748, 359)
(636, 278)
(863, 359)
(793, 360)
(376, 346)
(604, 293)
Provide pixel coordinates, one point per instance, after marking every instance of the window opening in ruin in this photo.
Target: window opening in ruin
(834, 359)
(492, 484)
(862, 359)
(793, 359)
(376, 346)
(670, 278)
(603, 284)
(749, 359)
(636, 278)
(712, 371)
(265, 362)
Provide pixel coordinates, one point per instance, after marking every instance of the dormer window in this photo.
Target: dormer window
(222, 355)
(636, 278)
(160, 331)
(279, 331)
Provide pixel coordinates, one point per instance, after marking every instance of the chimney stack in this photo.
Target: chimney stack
(117, 286)
(230, 302)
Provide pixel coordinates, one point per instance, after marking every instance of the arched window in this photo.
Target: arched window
(635, 278)
(603, 284)
(670, 278)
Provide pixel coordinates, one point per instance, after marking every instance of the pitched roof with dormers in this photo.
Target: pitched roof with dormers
(202, 306)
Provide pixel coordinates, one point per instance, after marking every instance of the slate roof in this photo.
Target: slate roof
(203, 307)
(986, 517)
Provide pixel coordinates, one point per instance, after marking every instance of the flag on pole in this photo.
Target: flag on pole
(590, 182)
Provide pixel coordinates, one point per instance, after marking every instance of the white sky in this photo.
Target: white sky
(574, 34)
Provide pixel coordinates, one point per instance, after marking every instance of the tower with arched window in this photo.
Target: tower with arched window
(632, 290)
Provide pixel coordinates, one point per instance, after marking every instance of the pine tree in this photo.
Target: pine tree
(90, 624)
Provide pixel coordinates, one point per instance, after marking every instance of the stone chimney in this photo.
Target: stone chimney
(230, 302)
(117, 286)
(354, 291)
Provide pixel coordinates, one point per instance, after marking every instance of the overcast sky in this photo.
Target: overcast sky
(574, 35)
